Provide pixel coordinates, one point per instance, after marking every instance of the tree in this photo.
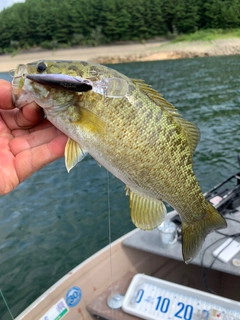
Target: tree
(222, 14)
(187, 16)
(169, 9)
(154, 19)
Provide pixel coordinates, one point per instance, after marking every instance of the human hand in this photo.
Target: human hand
(27, 140)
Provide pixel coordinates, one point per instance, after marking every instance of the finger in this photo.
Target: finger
(43, 125)
(31, 160)
(6, 95)
(29, 116)
(34, 139)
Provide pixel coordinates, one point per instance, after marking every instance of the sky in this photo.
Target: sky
(8, 3)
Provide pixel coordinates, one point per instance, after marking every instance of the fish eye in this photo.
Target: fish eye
(41, 67)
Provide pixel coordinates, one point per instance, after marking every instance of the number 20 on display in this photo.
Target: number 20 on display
(184, 311)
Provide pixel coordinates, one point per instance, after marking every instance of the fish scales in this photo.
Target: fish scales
(139, 137)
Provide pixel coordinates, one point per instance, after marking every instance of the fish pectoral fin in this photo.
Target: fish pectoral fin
(146, 213)
(74, 153)
(194, 233)
(90, 122)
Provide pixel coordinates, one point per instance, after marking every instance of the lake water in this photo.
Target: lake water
(55, 220)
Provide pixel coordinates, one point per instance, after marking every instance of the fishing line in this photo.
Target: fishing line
(110, 236)
(6, 304)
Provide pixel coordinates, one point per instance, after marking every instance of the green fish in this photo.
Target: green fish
(131, 130)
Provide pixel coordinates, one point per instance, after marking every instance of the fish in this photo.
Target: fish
(132, 131)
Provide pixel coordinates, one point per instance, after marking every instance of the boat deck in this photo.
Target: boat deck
(99, 308)
(225, 285)
(135, 252)
(149, 241)
(222, 278)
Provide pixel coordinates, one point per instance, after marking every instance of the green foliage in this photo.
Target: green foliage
(51, 45)
(187, 16)
(53, 24)
(223, 13)
(209, 35)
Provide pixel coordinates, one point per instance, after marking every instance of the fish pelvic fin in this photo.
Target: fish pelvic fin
(73, 154)
(146, 213)
(194, 234)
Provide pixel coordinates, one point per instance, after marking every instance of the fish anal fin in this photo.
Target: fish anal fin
(90, 121)
(194, 234)
(146, 213)
(74, 153)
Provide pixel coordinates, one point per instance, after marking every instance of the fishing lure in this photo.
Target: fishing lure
(108, 87)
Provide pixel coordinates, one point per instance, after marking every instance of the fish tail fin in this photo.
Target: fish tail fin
(194, 234)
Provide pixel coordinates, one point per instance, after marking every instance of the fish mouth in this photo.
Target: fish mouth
(19, 95)
(19, 75)
(25, 91)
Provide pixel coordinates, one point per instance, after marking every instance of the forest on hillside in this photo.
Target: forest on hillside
(64, 23)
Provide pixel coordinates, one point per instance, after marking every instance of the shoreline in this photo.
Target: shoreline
(119, 53)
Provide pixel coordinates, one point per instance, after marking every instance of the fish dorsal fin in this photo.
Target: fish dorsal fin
(73, 154)
(155, 96)
(191, 130)
(192, 133)
(146, 213)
